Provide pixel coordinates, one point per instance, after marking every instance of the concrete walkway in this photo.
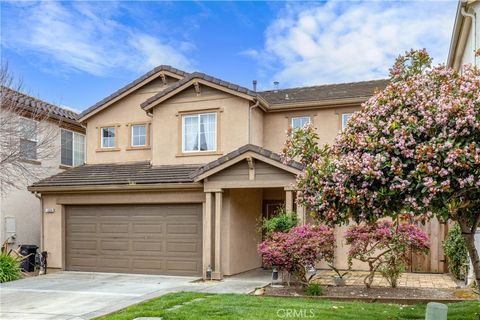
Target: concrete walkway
(84, 295)
(407, 279)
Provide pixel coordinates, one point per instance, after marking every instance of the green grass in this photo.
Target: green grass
(232, 306)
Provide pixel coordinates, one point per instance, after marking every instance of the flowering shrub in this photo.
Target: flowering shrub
(301, 248)
(385, 247)
(414, 148)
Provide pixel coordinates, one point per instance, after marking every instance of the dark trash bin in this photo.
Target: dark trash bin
(30, 250)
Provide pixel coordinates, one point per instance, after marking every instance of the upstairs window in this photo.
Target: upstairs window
(299, 122)
(28, 139)
(108, 137)
(345, 118)
(139, 135)
(199, 132)
(72, 148)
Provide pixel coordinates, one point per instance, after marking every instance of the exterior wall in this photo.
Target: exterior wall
(120, 114)
(54, 223)
(232, 126)
(23, 206)
(241, 234)
(257, 124)
(327, 121)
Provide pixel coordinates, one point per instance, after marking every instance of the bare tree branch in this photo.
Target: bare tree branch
(27, 135)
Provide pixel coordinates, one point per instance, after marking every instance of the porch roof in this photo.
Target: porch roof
(239, 154)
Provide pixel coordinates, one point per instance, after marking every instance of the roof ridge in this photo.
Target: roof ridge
(322, 85)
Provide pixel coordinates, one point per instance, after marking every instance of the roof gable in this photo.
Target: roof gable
(158, 72)
(195, 79)
(246, 152)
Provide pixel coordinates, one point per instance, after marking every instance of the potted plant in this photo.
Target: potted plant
(338, 279)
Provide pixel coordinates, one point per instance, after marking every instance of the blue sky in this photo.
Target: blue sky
(75, 53)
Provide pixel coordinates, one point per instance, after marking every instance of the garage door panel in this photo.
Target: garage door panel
(118, 246)
(153, 228)
(183, 229)
(179, 248)
(157, 239)
(82, 244)
(114, 227)
(83, 228)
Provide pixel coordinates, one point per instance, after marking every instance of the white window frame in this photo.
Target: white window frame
(344, 120)
(73, 147)
(198, 115)
(115, 137)
(132, 136)
(34, 140)
(301, 117)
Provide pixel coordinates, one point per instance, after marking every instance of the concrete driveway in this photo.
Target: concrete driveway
(84, 295)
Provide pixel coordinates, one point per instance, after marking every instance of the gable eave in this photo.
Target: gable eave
(190, 83)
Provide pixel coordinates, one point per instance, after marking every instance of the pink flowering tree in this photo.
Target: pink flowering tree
(298, 250)
(413, 149)
(385, 247)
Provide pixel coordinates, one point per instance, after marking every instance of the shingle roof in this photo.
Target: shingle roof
(324, 92)
(246, 148)
(131, 85)
(199, 75)
(30, 103)
(119, 174)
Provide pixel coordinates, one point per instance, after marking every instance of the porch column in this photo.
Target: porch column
(301, 214)
(207, 233)
(288, 200)
(217, 274)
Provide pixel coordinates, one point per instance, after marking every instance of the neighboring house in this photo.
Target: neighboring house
(21, 210)
(465, 50)
(466, 35)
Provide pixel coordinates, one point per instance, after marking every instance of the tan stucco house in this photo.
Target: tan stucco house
(179, 169)
(19, 208)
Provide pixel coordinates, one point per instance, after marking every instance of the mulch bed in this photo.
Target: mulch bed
(399, 295)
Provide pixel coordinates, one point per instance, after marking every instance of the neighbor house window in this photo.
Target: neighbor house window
(28, 139)
(199, 132)
(108, 137)
(300, 122)
(139, 135)
(345, 118)
(72, 148)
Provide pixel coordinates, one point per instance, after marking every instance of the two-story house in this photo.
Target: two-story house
(20, 210)
(180, 168)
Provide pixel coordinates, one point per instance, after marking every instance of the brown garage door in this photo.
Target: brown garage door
(152, 239)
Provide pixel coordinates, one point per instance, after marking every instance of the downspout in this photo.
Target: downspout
(41, 219)
(474, 38)
(257, 103)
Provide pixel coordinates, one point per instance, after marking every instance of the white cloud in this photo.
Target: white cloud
(88, 38)
(352, 41)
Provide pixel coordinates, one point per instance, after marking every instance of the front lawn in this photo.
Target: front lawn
(232, 306)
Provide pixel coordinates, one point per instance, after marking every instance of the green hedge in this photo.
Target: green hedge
(456, 252)
(9, 268)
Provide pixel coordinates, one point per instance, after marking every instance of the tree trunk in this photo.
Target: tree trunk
(469, 235)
